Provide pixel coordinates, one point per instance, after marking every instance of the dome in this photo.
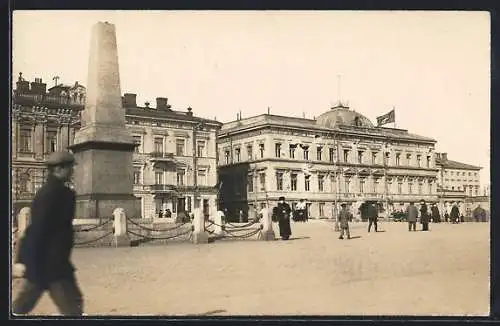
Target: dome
(341, 115)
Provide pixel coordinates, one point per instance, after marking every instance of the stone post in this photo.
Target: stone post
(23, 221)
(267, 226)
(121, 238)
(219, 223)
(199, 233)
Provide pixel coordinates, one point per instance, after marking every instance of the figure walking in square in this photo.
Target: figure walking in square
(411, 216)
(345, 216)
(282, 213)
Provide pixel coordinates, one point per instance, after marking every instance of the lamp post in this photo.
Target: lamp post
(196, 127)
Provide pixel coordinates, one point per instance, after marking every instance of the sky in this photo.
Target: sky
(432, 67)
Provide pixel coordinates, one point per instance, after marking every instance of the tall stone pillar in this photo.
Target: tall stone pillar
(103, 147)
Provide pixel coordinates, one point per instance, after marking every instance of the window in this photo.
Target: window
(387, 158)
(137, 141)
(319, 153)
(306, 152)
(346, 185)
(292, 151)
(24, 184)
(374, 157)
(321, 182)
(277, 150)
(362, 186)
(51, 141)
(137, 176)
(375, 186)
(428, 161)
(250, 152)
(279, 180)
(159, 177)
(250, 183)
(179, 147)
(293, 182)
(262, 178)
(25, 141)
(200, 149)
(408, 159)
(331, 154)
(346, 155)
(226, 156)
(321, 209)
(360, 157)
(202, 178)
(237, 152)
(419, 188)
(429, 184)
(419, 157)
(397, 159)
(261, 150)
(400, 187)
(410, 188)
(180, 177)
(158, 143)
(307, 183)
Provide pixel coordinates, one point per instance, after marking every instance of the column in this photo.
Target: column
(14, 141)
(39, 138)
(64, 137)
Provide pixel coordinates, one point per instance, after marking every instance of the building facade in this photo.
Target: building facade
(175, 166)
(458, 182)
(338, 157)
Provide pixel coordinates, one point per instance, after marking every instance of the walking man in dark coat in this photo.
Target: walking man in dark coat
(479, 214)
(454, 214)
(436, 217)
(411, 216)
(424, 216)
(282, 213)
(46, 247)
(345, 216)
(372, 216)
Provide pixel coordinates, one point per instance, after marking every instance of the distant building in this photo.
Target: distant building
(338, 157)
(174, 163)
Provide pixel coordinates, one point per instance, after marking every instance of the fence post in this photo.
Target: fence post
(219, 223)
(199, 233)
(23, 221)
(267, 233)
(121, 238)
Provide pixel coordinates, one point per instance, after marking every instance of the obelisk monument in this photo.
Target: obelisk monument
(103, 147)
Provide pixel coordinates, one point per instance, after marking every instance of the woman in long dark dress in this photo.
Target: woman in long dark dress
(424, 216)
(282, 212)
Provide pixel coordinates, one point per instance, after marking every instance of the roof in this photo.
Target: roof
(450, 164)
(166, 114)
(341, 115)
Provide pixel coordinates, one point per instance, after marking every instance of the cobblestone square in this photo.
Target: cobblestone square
(393, 272)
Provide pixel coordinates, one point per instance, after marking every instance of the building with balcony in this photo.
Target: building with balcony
(174, 163)
(458, 182)
(338, 157)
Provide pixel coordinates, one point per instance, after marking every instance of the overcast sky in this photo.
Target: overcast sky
(433, 67)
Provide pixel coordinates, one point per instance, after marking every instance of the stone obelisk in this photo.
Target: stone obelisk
(103, 147)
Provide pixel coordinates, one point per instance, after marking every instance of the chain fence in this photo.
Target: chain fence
(141, 238)
(94, 228)
(234, 231)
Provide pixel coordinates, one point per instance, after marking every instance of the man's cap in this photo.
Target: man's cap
(281, 198)
(343, 204)
(60, 158)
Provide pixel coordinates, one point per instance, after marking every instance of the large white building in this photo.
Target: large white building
(338, 157)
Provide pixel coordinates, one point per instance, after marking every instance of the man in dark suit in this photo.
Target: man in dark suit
(372, 216)
(46, 247)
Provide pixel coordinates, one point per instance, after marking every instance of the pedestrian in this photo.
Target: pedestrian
(372, 216)
(454, 214)
(345, 216)
(45, 250)
(283, 213)
(424, 216)
(411, 216)
(301, 211)
(436, 217)
(479, 214)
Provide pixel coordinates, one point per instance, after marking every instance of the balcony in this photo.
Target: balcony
(160, 188)
(26, 155)
(161, 156)
(47, 99)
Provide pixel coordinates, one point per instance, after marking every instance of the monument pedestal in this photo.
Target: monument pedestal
(267, 235)
(121, 241)
(200, 237)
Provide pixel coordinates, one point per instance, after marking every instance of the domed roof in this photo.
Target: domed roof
(341, 115)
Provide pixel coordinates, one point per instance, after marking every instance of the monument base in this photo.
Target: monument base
(267, 235)
(200, 237)
(121, 241)
(101, 206)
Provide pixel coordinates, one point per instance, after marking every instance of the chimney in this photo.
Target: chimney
(129, 100)
(190, 112)
(38, 87)
(162, 103)
(444, 156)
(438, 156)
(22, 86)
(146, 104)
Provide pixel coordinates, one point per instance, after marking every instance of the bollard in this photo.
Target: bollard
(267, 233)
(219, 223)
(23, 221)
(199, 233)
(121, 238)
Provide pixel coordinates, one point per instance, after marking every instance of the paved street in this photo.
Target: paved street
(441, 272)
